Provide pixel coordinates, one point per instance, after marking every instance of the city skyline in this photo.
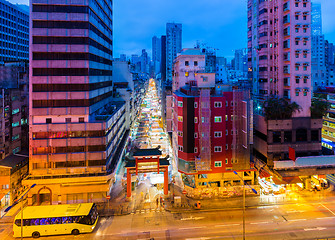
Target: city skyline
(135, 26)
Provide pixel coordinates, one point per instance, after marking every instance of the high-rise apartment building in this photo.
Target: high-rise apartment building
(210, 126)
(76, 130)
(14, 37)
(13, 108)
(173, 46)
(156, 49)
(156, 54)
(279, 61)
(319, 71)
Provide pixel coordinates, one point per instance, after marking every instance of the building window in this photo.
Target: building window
(180, 104)
(305, 30)
(217, 104)
(195, 150)
(195, 104)
(297, 94)
(305, 68)
(305, 93)
(296, 17)
(195, 63)
(301, 135)
(296, 42)
(180, 119)
(48, 120)
(226, 117)
(81, 119)
(187, 63)
(195, 135)
(217, 134)
(186, 74)
(226, 132)
(304, 4)
(305, 17)
(195, 120)
(67, 120)
(296, 4)
(180, 148)
(232, 132)
(297, 30)
(217, 119)
(180, 134)
(297, 80)
(218, 164)
(226, 103)
(226, 160)
(217, 149)
(227, 147)
(305, 43)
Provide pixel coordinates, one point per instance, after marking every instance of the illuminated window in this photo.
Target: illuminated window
(218, 164)
(218, 119)
(180, 119)
(180, 104)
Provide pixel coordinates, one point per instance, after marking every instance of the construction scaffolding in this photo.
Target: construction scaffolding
(203, 162)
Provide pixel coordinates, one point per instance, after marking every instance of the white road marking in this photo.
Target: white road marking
(259, 223)
(327, 209)
(296, 220)
(190, 228)
(315, 229)
(228, 225)
(295, 211)
(325, 218)
(191, 218)
(201, 238)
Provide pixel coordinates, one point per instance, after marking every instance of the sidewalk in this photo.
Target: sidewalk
(10, 215)
(187, 204)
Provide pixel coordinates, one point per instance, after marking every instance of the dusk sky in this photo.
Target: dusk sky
(221, 24)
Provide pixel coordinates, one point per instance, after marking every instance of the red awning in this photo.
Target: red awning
(287, 180)
(263, 173)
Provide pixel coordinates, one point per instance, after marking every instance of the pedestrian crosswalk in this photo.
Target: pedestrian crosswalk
(142, 211)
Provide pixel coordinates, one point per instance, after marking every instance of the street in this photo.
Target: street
(285, 221)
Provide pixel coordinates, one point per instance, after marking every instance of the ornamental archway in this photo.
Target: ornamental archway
(44, 194)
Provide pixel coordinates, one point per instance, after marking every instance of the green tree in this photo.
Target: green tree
(279, 108)
(319, 106)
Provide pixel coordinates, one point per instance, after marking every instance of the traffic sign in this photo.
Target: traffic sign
(184, 192)
(108, 197)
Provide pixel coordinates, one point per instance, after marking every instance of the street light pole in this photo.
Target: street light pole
(243, 208)
(243, 231)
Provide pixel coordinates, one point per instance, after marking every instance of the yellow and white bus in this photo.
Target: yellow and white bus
(56, 220)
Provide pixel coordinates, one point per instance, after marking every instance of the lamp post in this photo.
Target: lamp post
(16, 202)
(244, 200)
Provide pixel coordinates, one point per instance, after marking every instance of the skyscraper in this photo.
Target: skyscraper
(319, 70)
(279, 59)
(156, 54)
(156, 49)
(173, 46)
(14, 37)
(75, 127)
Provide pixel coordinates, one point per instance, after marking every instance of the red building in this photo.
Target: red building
(210, 127)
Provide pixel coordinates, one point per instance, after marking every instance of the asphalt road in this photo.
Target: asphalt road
(286, 221)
